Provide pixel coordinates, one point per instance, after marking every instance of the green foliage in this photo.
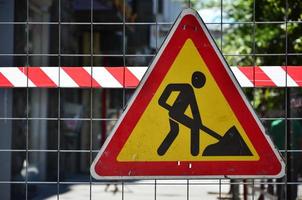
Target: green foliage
(267, 36)
(270, 34)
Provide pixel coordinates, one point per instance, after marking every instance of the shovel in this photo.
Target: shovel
(230, 144)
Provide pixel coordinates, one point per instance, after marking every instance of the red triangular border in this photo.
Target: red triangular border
(188, 25)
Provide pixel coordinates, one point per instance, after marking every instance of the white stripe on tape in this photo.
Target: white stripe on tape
(52, 73)
(16, 77)
(104, 78)
(278, 75)
(66, 80)
(138, 72)
(241, 78)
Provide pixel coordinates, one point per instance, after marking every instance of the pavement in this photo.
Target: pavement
(164, 190)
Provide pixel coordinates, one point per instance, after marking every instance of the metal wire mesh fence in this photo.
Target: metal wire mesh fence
(50, 136)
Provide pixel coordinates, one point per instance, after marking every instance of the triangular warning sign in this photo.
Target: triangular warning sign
(188, 118)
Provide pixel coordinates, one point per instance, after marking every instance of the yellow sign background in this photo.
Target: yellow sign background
(153, 125)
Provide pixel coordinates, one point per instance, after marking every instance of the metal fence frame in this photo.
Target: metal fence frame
(251, 184)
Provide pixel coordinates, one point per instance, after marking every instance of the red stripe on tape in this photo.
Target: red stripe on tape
(248, 72)
(117, 73)
(4, 82)
(131, 80)
(38, 77)
(262, 79)
(124, 76)
(295, 72)
(81, 76)
(257, 76)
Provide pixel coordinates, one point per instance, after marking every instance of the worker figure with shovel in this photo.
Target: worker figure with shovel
(229, 144)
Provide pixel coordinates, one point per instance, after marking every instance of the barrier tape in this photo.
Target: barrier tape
(129, 77)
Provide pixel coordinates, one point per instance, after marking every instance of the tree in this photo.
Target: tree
(273, 28)
(270, 34)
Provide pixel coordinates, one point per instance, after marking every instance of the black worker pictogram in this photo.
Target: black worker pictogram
(230, 144)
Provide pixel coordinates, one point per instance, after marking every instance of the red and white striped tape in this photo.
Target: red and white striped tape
(129, 77)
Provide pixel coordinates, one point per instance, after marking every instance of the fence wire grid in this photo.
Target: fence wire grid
(50, 136)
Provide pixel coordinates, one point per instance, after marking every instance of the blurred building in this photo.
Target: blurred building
(43, 134)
